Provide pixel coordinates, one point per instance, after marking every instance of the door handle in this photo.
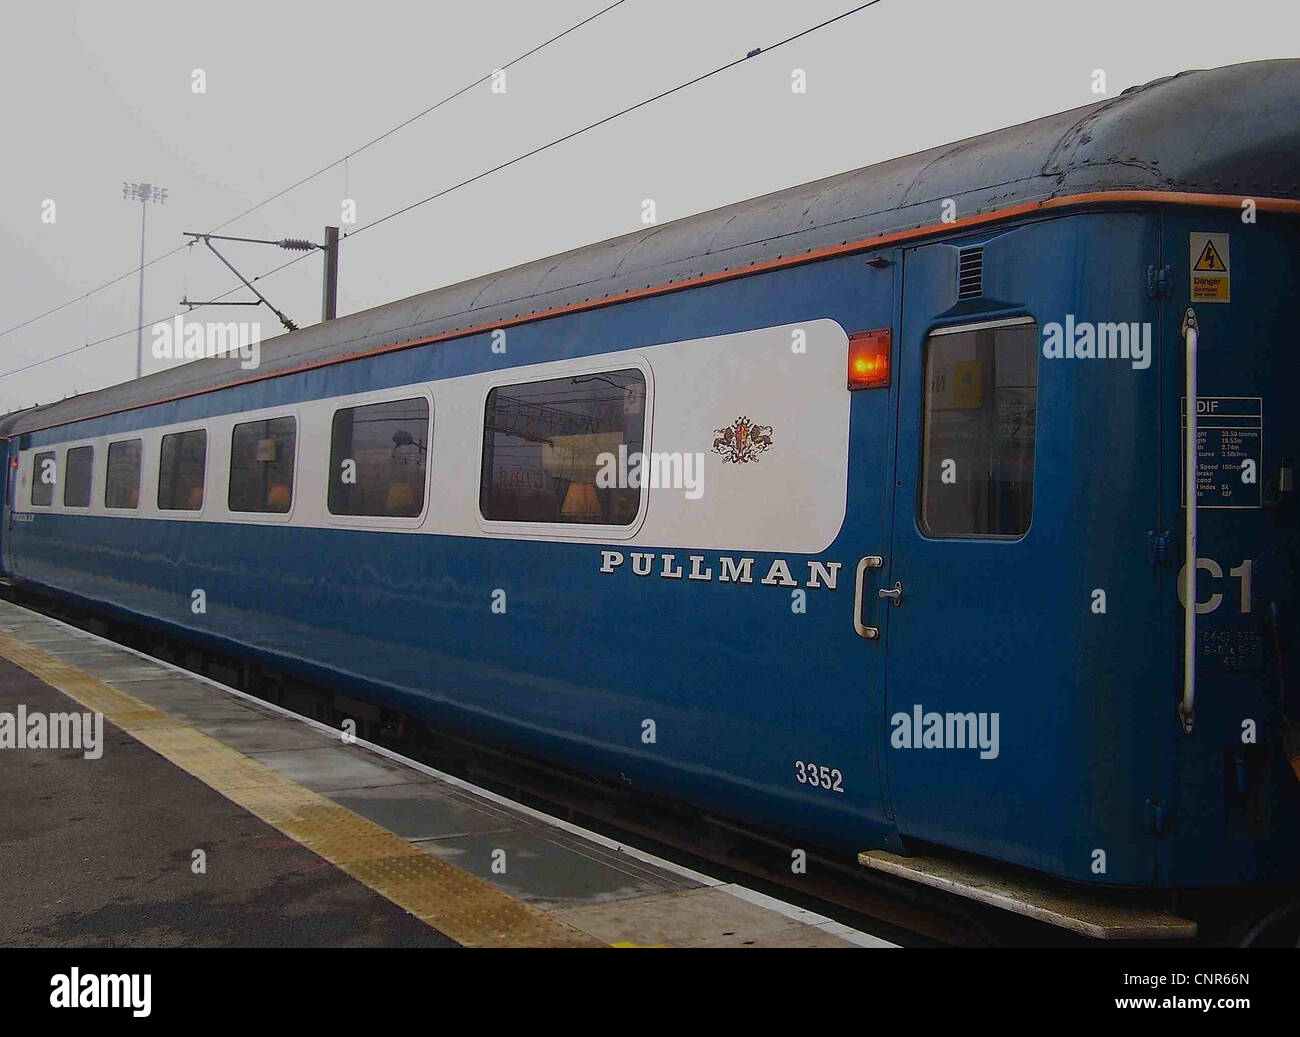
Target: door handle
(867, 562)
(894, 594)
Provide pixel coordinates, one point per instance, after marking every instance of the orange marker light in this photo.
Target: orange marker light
(869, 359)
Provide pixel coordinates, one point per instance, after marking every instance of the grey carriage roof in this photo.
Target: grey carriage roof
(1231, 130)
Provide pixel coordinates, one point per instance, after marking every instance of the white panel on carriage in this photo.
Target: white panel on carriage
(756, 422)
(789, 495)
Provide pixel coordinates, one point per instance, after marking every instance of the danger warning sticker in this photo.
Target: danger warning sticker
(1210, 267)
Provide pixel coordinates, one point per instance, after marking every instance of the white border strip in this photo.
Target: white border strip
(751, 896)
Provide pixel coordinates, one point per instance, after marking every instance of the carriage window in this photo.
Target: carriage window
(180, 470)
(981, 398)
(546, 446)
(261, 465)
(76, 477)
(122, 486)
(44, 474)
(379, 458)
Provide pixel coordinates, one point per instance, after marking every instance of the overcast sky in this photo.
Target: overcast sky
(97, 93)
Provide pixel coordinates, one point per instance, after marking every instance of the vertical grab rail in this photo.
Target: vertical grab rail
(867, 562)
(1187, 706)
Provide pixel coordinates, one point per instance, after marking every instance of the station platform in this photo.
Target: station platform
(206, 817)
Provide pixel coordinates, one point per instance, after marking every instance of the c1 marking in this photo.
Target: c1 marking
(1209, 565)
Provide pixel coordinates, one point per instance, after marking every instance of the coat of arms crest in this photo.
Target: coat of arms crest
(742, 441)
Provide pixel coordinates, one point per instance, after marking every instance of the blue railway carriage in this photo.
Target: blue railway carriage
(856, 512)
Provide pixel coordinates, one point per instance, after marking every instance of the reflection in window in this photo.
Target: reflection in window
(181, 469)
(261, 465)
(44, 475)
(76, 478)
(122, 486)
(379, 458)
(981, 401)
(542, 442)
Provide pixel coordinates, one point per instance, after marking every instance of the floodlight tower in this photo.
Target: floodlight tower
(144, 193)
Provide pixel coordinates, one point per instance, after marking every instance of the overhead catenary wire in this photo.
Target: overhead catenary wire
(506, 164)
(614, 115)
(151, 323)
(312, 176)
(421, 114)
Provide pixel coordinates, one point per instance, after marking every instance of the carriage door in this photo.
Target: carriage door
(8, 489)
(1012, 502)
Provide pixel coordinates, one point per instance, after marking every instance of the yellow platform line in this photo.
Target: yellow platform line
(460, 905)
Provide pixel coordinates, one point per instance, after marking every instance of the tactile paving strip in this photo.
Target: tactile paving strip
(456, 903)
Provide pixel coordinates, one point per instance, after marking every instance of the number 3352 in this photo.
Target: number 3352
(819, 776)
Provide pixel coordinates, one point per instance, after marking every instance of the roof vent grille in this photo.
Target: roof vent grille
(970, 272)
